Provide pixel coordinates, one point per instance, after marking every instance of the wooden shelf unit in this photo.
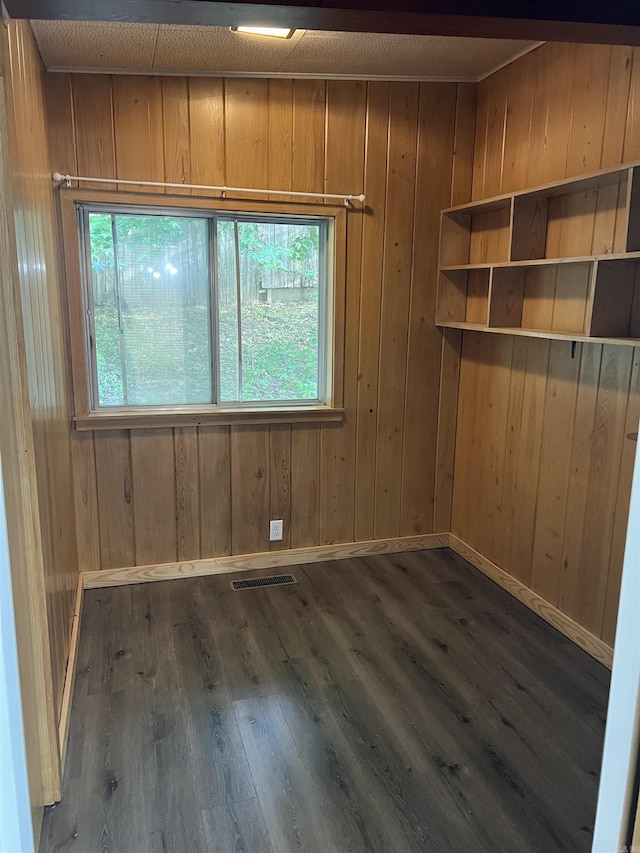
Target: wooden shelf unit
(562, 260)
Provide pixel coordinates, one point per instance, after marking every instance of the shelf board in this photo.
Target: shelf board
(463, 267)
(566, 185)
(481, 206)
(536, 262)
(537, 333)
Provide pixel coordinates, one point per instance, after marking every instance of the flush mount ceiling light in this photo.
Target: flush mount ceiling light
(274, 32)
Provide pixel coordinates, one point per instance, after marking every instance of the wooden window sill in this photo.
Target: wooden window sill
(198, 417)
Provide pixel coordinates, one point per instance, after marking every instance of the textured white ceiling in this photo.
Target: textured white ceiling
(154, 48)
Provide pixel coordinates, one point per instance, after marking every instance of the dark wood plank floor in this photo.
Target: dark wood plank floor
(391, 704)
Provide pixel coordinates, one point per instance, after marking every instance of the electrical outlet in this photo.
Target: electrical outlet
(275, 530)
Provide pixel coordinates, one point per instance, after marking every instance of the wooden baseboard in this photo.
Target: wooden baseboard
(70, 676)
(267, 560)
(596, 647)
(317, 554)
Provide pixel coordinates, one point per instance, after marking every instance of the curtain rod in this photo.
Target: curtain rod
(66, 179)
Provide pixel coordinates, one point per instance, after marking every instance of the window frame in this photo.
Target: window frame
(81, 346)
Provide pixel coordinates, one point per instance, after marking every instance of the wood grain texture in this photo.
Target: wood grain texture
(304, 135)
(250, 459)
(153, 486)
(393, 703)
(176, 129)
(396, 296)
(369, 346)
(85, 493)
(52, 573)
(92, 101)
(21, 500)
(265, 560)
(187, 493)
(345, 154)
(115, 498)
(591, 643)
(436, 135)
(137, 108)
(565, 434)
(567, 419)
(206, 130)
(64, 724)
(214, 460)
(279, 481)
(305, 486)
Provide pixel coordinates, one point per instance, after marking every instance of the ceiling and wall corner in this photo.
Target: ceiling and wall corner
(173, 49)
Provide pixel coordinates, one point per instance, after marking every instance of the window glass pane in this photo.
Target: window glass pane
(228, 313)
(151, 308)
(279, 274)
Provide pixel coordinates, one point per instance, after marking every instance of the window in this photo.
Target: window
(185, 308)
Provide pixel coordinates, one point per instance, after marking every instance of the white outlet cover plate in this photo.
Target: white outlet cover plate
(275, 530)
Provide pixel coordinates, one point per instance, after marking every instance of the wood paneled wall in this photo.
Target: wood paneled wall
(44, 334)
(21, 502)
(543, 454)
(157, 495)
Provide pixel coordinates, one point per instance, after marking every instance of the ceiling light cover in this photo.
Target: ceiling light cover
(274, 32)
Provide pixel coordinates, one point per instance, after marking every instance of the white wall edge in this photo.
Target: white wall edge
(617, 775)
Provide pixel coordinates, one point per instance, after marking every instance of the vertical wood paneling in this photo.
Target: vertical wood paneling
(553, 478)
(93, 106)
(396, 295)
(618, 542)
(154, 488)
(616, 105)
(280, 481)
(469, 442)
(43, 335)
(35, 586)
(491, 494)
(480, 142)
(59, 118)
(138, 128)
(187, 493)
(206, 131)
(115, 507)
(604, 469)
(308, 135)
(447, 420)
(631, 150)
(247, 131)
(571, 578)
(567, 461)
(518, 122)
(305, 135)
(371, 294)
(214, 461)
(85, 492)
(305, 486)
(461, 181)
(495, 141)
(250, 502)
(307, 174)
(175, 125)
(528, 456)
(461, 189)
(436, 127)
(344, 164)
(588, 108)
(280, 141)
(558, 114)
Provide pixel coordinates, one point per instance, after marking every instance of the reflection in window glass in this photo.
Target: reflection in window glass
(150, 289)
(175, 323)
